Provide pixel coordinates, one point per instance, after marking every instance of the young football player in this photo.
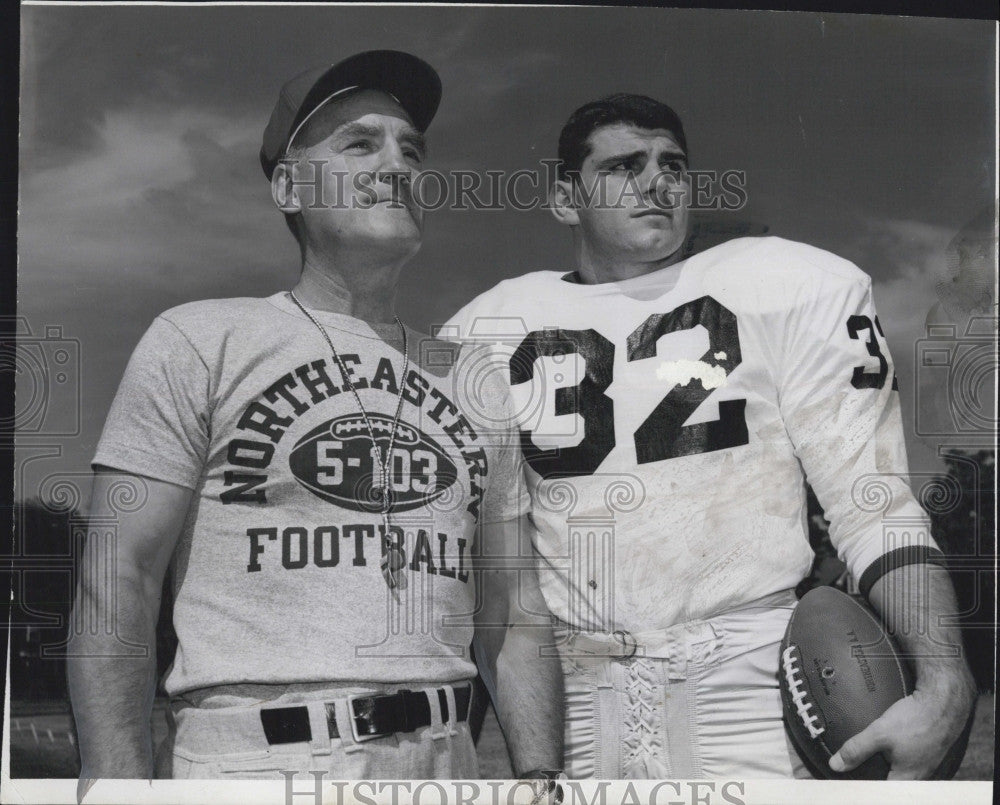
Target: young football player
(671, 409)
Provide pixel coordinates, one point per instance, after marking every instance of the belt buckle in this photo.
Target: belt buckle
(628, 640)
(354, 719)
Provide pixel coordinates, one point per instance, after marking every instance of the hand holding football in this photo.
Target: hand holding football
(846, 689)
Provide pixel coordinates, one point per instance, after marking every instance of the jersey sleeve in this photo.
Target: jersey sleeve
(158, 425)
(840, 405)
(506, 494)
(459, 326)
(481, 329)
(486, 401)
(486, 319)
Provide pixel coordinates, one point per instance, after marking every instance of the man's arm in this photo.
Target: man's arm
(840, 405)
(918, 604)
(517, 651)
(111, 687)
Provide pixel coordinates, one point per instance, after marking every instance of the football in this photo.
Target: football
(839, 671)
(335, 462)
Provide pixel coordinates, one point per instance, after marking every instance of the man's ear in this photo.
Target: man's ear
(283, 189)
(562, 202)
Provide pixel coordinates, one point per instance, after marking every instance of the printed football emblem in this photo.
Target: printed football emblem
(335, 462)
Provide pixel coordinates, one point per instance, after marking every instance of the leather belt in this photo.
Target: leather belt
(371, 716)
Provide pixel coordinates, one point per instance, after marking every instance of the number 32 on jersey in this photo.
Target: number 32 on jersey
(663, 434)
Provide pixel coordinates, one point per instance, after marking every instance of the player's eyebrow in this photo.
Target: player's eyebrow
(671, 156)
(613, 160)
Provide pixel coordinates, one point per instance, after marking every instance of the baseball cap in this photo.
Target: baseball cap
(411, 81)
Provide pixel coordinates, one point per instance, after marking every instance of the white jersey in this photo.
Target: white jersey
(669, 422)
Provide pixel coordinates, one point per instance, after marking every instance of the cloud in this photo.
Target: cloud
(164, 207)
(915, 255)
(912, 261)
(155, 179)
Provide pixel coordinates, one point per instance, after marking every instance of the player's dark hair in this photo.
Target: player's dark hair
(637, 110)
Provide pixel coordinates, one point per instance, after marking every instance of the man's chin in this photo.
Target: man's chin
(401, 241)
(395, 224)
(658, 250)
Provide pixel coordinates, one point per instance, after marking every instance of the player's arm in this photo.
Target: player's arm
(918, 604)
(841, 409)
(516, 650)
(112, 677)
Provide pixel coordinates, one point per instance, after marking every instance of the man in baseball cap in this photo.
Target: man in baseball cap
(412, 83)
(318, 482)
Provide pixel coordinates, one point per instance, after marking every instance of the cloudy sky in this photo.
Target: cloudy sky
(140, 186)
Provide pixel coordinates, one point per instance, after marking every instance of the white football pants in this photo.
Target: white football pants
(697, 701)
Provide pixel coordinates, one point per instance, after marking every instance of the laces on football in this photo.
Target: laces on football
(796, 683)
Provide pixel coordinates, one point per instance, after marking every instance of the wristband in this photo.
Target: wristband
(900, 557)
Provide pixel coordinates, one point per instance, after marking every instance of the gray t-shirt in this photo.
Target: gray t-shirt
(277, 573)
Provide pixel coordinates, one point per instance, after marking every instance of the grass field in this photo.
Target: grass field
(42, 743)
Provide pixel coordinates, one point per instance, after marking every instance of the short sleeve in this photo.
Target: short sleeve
(158, 425)
(506, 493)
(483, 395)
(840, 405)
(458, 327)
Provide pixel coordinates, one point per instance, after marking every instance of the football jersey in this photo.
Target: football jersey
(668, 424)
